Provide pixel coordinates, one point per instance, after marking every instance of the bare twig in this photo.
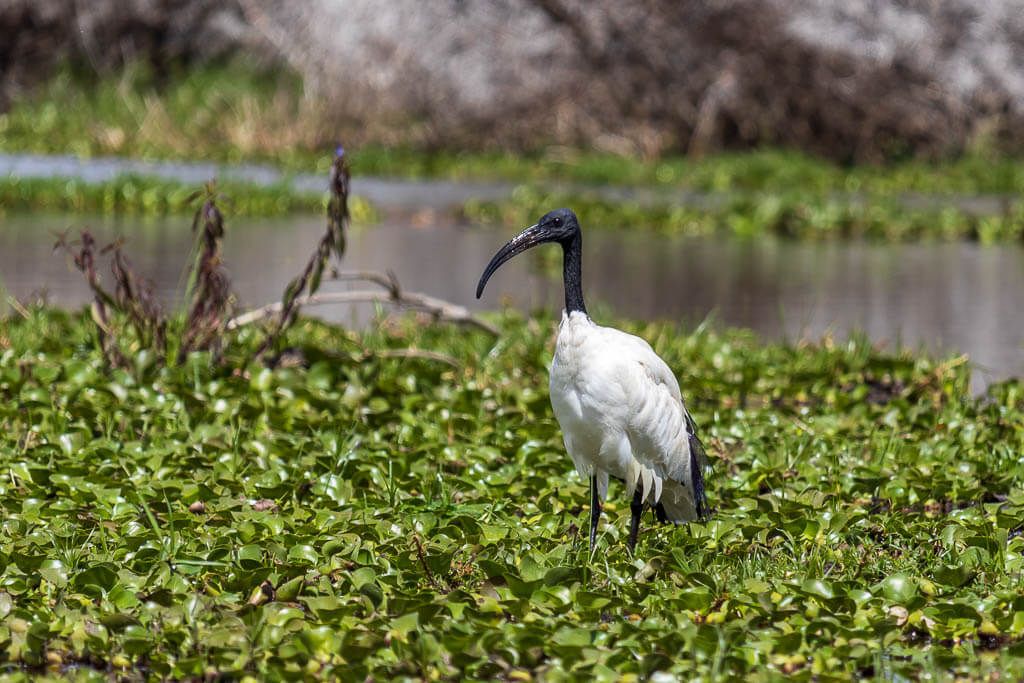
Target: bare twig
(393, 294)
(422, 555)
(438, 308)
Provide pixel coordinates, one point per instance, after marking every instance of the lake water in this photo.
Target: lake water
(943, 297)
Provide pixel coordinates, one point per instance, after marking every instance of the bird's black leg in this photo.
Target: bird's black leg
(659, 512)
(595, 511)
(637, 508)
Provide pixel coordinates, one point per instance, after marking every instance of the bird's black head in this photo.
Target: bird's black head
(558, 226)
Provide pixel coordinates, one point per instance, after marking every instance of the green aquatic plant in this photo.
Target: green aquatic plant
(371, 514)
(796, 215)
(144, 195)
(147, 196)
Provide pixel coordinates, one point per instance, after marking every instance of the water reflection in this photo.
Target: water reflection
(943, 297)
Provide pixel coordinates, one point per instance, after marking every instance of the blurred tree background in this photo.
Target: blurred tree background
(852, 81)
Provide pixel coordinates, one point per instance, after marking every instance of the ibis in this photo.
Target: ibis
(618, 403)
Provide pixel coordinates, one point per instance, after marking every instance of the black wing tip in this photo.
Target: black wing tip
(698, 461)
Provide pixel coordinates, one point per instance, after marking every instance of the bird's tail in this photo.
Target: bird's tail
(676, 504)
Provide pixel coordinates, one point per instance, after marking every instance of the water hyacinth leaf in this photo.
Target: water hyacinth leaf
(303, 554)
(55, 572)
(250, 556)
(289, 590)
(100, 577)
(592, 600)
(362, 576)
(122, 597)
(818, 588)
(325, 607)
(117, 621)
(403, 625)
(954, 576)
(572, 636)
(697, 599)
(899, 588)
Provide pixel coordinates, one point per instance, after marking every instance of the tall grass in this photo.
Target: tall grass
(229, 112)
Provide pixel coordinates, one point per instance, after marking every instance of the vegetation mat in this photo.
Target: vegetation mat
(396, 504)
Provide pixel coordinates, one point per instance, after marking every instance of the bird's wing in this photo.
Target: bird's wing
(661, 433)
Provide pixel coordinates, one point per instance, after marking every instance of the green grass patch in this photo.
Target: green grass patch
(766, 170)
(795, 215)
(226, 113)
(371, 515)
(146, 195)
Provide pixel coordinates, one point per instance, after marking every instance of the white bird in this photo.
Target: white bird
(617, 402)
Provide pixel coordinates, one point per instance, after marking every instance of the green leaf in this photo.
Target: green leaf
(55, 572)
(303, 554)
(898, 588)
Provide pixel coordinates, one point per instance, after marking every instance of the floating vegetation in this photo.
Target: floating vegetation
(148, 196)
(373, 513)
(793, 215)
(396, 502)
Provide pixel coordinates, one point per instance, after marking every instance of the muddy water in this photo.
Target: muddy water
(944, 298)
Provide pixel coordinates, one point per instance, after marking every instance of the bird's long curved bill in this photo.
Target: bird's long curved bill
(530, 237)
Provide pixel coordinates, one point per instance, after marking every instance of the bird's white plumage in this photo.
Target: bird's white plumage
(622, 414)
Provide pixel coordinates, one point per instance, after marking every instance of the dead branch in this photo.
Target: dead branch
(422, 555)
(440, 310)
(392, 294)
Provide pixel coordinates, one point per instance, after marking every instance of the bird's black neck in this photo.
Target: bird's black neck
(572, 276)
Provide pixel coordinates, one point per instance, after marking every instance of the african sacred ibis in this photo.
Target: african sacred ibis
(617, 402)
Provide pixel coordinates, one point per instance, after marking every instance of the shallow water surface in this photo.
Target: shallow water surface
(943, 297)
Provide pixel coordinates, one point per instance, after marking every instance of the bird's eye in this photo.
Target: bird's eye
(557, 222)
